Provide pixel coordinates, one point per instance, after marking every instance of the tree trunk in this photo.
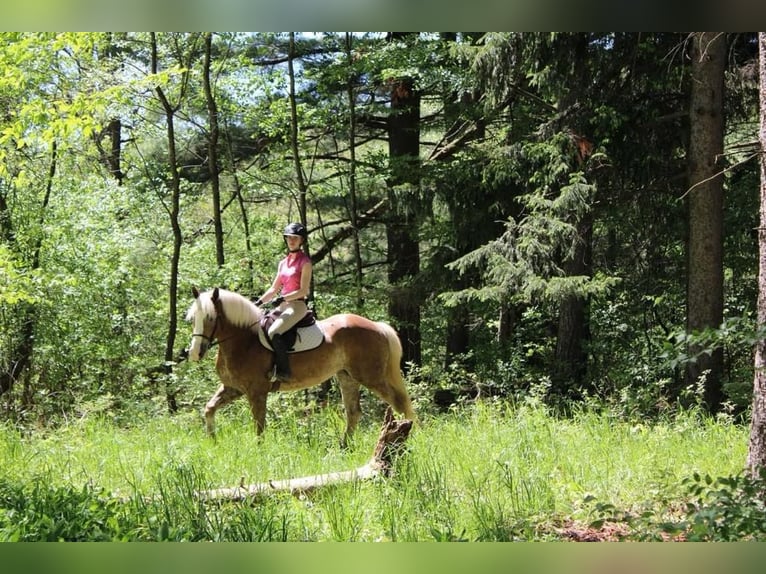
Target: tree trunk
(174, 212)
(570, 362)
(212, 151)
(466, 219)
(573, 332)
(705, 242)
(354, 208)
(756, 457)
(295, 145)
(402, 227)
(111, 159)
(22, 349)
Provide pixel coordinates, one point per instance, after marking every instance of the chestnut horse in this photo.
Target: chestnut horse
(356, 350)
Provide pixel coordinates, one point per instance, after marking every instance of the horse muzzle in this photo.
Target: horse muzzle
(197, 350)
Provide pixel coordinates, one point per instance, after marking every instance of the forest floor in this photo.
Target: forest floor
(578, 532)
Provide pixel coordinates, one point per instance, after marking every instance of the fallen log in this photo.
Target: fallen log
(392, 435)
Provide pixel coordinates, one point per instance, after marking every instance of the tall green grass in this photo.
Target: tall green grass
(489, 471)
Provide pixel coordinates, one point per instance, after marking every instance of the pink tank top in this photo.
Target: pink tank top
(290, 271)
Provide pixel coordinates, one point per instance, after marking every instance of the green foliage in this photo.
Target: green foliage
(527, 262)
(733, 335)
(505, 201)
(16, 286)
(724, 509)
(488, 471)
(39, 512)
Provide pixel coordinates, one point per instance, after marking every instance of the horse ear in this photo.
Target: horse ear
(214, 298)
(195, 292)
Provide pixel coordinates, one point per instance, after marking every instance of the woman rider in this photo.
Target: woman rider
(292, 283)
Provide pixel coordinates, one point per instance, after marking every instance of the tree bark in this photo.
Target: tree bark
(294, 143)
(212, 151)
(402, 227)
(174, 213)
(573, 330)
(111, 159)
(756, 457)
(705, 242)
(466, 216)
(354, 207)
(295, 146)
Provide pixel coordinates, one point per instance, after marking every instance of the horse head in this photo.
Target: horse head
(203, 316)
(217, 311)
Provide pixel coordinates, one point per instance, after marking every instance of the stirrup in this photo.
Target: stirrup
(277, 377)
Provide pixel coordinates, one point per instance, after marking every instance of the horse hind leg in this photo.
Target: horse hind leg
(350, 392)
(391, 389)
(398, 397)
(223, 396)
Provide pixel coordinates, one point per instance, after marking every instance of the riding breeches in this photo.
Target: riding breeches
(291, 313)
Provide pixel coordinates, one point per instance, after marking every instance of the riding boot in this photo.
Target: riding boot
(281, 370)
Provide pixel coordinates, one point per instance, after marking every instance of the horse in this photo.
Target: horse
(356, 350)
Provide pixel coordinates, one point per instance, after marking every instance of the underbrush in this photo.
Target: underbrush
(485, 471)
(723, 509)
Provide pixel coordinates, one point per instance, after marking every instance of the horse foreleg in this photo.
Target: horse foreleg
(350, 391)
(223, 396)
(258, 409)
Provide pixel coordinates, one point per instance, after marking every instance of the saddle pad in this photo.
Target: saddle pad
(307, 338)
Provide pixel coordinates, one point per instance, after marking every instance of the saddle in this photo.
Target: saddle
(303, 336)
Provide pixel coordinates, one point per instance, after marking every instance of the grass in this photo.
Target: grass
(490, 471)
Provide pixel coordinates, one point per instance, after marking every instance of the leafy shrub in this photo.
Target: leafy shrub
(39, 512)
(724, 509)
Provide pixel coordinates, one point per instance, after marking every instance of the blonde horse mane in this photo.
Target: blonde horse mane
(239, 310)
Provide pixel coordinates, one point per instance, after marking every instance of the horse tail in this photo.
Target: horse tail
(394, 345)
(402, 402)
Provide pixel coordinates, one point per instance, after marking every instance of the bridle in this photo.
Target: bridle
(211, 342)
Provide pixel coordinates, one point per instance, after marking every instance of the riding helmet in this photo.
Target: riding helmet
(296, 229)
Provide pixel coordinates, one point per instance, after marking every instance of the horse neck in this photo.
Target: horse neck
(230, 335)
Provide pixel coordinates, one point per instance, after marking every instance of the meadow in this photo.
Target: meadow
(486, 471)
